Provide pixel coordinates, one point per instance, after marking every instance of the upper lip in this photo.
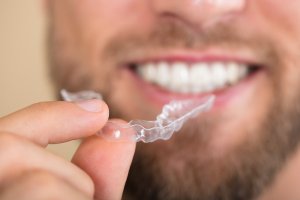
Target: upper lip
(194, 57)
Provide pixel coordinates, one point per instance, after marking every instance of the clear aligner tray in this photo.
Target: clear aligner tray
(170, 120)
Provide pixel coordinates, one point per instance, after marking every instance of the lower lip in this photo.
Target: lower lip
(160, 97)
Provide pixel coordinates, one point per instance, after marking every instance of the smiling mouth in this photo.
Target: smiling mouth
(194, 78)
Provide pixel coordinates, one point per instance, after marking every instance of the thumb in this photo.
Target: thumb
(107, 163)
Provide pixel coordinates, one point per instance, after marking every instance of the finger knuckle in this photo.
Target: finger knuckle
(42, 179)
(36, 184)
(40, 106)
(9, 143)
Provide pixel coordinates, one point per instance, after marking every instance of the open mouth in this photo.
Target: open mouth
(194, 78)
(177, 79)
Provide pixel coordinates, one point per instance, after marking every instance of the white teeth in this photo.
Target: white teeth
(233, 73)
(179, 77)
(195, 78)
(148, 72)
(163, 77)
(219, 75)
(196, 82)
(201, 78)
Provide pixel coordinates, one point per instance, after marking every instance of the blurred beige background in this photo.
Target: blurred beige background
(23, 76)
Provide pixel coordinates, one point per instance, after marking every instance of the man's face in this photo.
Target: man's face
(140, 54)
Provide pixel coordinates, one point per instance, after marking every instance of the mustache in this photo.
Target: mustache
(171, 34)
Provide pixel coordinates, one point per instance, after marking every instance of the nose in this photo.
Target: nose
(199, 11)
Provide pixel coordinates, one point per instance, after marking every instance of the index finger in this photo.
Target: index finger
(57, 122)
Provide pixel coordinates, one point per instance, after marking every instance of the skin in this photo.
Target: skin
(28, 171)
(249, 142)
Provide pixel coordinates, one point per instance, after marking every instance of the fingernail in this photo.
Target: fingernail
(90, 105)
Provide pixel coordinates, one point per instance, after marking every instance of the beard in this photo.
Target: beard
(183, 168)
(242, 174)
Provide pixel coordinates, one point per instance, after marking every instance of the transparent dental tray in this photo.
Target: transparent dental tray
(170, 120)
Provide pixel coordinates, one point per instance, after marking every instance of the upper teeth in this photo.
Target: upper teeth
(193, 78)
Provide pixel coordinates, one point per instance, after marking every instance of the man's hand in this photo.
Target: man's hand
(27, 171)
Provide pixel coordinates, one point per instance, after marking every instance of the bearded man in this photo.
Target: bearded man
(141, 54)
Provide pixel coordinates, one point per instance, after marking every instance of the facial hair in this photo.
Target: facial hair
(242, 174)
(249, 169)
